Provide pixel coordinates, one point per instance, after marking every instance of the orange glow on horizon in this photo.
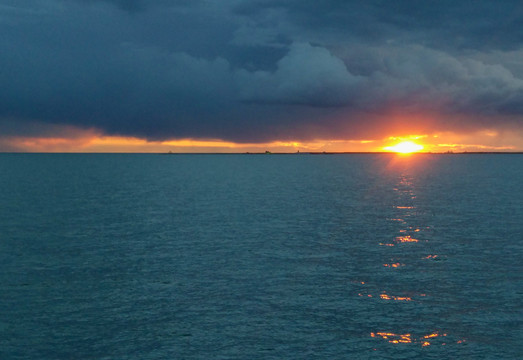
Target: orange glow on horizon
(404, 147)
(91, 140)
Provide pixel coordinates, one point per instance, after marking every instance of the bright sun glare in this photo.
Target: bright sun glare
(404, 147)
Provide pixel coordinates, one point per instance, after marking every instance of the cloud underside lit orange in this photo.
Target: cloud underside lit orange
(78, 140)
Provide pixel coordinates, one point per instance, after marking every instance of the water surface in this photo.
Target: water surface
(260, 257)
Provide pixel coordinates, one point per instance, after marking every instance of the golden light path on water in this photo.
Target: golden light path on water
(410, 234)
(423, 340)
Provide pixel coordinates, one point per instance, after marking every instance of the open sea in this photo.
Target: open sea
(367, 256)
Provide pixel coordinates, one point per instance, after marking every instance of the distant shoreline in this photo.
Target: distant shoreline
(282, 153)
(351, 153)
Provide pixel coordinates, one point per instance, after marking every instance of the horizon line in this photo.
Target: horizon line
(275, 153)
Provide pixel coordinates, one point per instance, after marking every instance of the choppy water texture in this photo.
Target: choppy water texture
(261, 257)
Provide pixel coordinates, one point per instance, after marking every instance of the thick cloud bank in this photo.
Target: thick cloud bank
(305, 76)
(259, 70)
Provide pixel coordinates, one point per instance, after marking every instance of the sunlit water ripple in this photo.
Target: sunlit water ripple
(261, 256)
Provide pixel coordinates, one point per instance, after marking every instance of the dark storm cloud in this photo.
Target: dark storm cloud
(257, 70)
(307, 75)
(141, 5)
(442, 23)
(128, 5)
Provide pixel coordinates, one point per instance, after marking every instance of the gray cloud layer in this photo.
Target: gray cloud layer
(259, 70)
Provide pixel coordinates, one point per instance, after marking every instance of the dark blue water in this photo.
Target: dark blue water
(261, 257)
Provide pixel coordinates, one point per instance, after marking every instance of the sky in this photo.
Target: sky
(256, 75)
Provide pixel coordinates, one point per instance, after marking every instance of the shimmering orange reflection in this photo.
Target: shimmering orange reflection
(395, 265)
(368, 295)
(433, 335)
(393, 338)
(385, 296)
(396, 298)
(408, 338)
(406, 238)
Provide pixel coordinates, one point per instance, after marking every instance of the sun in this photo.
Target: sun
(404, 147)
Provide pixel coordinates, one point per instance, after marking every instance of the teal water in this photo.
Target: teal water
(261, 257)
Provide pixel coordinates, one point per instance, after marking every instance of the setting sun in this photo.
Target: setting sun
(404, 147)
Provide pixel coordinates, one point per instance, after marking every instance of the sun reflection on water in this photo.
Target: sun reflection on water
(384, 296)
(383, 244)
(405, 211)
(405, 214)
(406, 238)
(394, 265)
(409, 237)
(396, 298)
(433, 338)
(401, 239)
